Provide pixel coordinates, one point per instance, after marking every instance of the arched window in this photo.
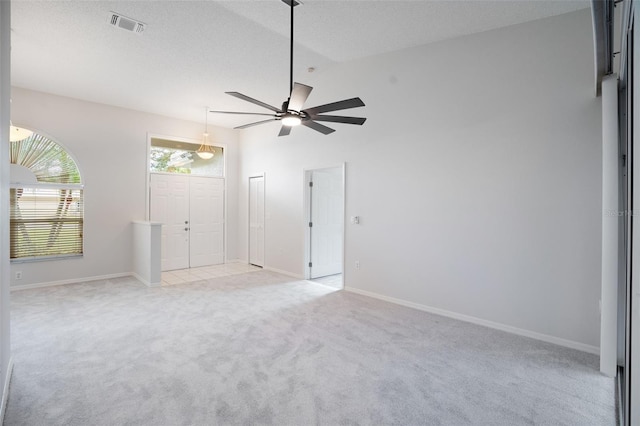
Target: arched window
(46, 218)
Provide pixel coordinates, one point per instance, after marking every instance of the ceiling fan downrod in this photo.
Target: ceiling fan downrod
(292, 4)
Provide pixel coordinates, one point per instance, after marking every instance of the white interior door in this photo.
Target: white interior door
(169, 204)
(256, 221)
(206, 205)
(191, 210)
(327, 222)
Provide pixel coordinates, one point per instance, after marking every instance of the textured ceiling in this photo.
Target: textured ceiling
(193, 51)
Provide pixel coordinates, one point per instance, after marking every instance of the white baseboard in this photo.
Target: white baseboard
(127, 274)
(5, 391)
(145, 282)
(491, 324)
(280, 271)
(70, 281)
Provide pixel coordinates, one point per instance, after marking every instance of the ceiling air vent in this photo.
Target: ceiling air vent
(125, 23)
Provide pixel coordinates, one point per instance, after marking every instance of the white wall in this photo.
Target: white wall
(477, 177)
(110, 146)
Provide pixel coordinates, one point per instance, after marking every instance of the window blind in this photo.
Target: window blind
(48, 161)
(46, 221)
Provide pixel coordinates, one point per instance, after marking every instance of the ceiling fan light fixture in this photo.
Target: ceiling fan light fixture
(291, 120)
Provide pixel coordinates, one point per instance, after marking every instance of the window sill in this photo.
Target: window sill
(45, 258)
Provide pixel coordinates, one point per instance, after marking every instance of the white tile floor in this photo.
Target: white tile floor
(183, 276)
(334, 281)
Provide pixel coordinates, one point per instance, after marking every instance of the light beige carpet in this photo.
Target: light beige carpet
(260, 349)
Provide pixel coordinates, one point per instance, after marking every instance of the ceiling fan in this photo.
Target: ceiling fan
(291, 113)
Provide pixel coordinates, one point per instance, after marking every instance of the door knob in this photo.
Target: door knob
(186, 221)
(186, 229)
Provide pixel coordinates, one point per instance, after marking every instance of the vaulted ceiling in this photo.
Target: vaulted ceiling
(191, 52)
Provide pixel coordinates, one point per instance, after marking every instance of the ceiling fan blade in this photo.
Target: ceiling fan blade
(284, 131)
(339, 119)
(244, 126)
(253, 101)
(299, 95)
(318, 127)
(335, 106)
(243, 113)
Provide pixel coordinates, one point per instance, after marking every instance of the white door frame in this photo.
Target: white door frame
(633, 363)
(262, 175)
(191, 141)
(306, 200)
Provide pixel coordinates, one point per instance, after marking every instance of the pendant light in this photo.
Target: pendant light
(18, 133)
(206, 151)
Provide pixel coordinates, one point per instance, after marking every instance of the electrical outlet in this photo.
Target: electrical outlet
(18, 275)
(357, 264)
